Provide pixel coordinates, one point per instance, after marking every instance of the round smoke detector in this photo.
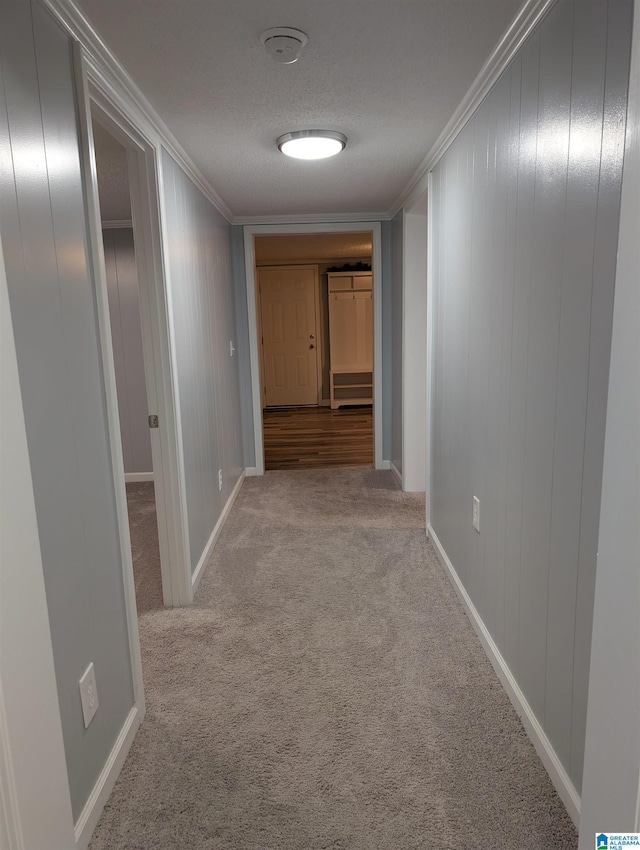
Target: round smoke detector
(284, 44)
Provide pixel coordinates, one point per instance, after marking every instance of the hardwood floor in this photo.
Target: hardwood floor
(305, 437)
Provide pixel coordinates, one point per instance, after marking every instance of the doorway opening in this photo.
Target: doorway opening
(315, 323)
(121, 270)
(313, 294)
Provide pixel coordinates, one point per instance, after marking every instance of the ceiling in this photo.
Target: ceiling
(387, 73)
(113, 176)
(308, 247)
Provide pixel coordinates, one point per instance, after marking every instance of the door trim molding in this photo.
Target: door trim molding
(318, 318)
(250, 231)
(143, 160)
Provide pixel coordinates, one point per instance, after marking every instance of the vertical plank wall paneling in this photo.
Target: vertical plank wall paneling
(202, 307)
(387, 376)
(526, 206)
(53, 308)
(242, 343)
(126, 334)
(397, 235)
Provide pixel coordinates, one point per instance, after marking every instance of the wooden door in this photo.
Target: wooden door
(289, 336)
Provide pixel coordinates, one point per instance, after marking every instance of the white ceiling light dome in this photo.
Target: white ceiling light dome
(312, 144)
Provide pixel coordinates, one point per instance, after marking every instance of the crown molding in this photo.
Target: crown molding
(319, 218)
(531, 14)
(110, 75)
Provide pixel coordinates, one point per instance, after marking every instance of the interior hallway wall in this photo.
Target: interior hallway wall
(611, 789)
(54, 314)
(397, 274)
(526, 204)
(126, 335)
(203, 326)
(387, 338)
(242, 334)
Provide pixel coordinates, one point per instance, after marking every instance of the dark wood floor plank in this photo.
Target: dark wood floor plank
(304, 437)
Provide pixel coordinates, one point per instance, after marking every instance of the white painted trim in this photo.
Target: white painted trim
(143, 157)
(311, 218)
(386, 464)
(520, 29)
(397, 474)
(118, 224)
(96, 259)
(129, 97)
(92, 810)
(251, 471)
(430, 347)
(330, 227)
(213, 539)
(414, 351)
(548, 756)
(137, 477)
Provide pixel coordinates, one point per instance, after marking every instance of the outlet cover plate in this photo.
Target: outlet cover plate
(89, 694)
(476, 513)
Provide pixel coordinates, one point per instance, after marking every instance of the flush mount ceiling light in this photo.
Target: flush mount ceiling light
(312, 144)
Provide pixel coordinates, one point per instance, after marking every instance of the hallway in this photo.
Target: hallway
(325, 690)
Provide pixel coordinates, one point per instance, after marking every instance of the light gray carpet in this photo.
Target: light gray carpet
(144, 545)
(326, 691)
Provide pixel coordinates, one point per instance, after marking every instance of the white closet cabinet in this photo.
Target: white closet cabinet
(350, 338)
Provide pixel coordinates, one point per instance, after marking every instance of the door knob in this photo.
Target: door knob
(311, 336)
(312, 345)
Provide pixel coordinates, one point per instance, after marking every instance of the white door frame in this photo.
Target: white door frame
(316, 306)
(97, 100)
(252, 230)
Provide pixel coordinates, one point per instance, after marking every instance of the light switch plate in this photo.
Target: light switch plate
(476, 513)
(89, 694)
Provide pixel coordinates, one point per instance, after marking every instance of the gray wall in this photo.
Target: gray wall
(612, 757)
(244, 355)
(526, 205)
(53, 308)
(387, 402)
(203, 324)
(126, 335)
(397, 251)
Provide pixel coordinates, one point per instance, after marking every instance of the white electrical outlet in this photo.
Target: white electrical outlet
(476, 513)
(219, 479)
(89, 694)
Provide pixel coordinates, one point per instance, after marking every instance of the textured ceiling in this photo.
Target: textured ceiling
(387, 73)
(305, 247)
(113, 176)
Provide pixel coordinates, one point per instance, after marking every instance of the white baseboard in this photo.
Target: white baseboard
(89, 816)
(559, 776)
(251, 471)
(397, 473)
(386, 464)
(134, 477)
(208, 549)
